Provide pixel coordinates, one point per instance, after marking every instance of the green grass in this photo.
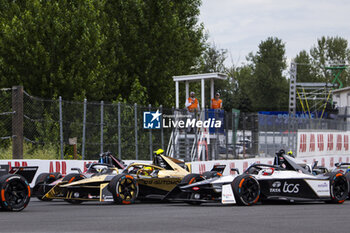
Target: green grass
(32, 152)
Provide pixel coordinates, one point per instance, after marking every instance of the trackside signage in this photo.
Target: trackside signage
(314, 143)
(157, 120)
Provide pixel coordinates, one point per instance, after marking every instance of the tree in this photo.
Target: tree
(305, 70)
(97, 49)
(53, 48)
(328, 51)
(268, 88)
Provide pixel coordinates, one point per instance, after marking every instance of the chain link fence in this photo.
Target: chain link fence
(95, 127)
(5, 116)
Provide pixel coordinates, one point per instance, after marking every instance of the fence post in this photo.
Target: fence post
(17, 122)
(101, 127)
(173, 138)
(161, 129)
(255, 135)
(61, 125)
(136, 141)
(234, 139)
(119, 134)
(150, 137)
(244, 128)
(84, 131)
(226, 136)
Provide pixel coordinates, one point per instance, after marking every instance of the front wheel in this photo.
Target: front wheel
(15, 192)
(124, 189)
(72, 177)
(339, 189)
(190, 179)
(246, 190)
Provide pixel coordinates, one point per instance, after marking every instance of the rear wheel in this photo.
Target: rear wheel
(191, 178)
(347, 176)
(211, 174)
(246, 190)
(339, 188)
(14, 192)
(124, 189)
(71, 177)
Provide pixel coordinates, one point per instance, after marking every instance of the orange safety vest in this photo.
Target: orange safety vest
(216, 104)
(193, 106)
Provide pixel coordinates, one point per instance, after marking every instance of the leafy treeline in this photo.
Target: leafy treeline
(117, 50)
(99, 49)
(262, 83)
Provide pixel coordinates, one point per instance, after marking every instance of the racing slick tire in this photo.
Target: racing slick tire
(14, 192)
(339, 188)
(246, 190)
(189, 179)
(347, 176)
(211, 174)
(43, 179)
(124, 189)
(71, 177)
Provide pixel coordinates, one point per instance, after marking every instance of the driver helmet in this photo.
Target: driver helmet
(290, 153)
(281, 152)
(159, 151)
(148, 170)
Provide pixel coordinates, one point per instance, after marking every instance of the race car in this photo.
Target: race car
(14, 187)
(137, 181)
(285, 180)
(107, 164)
(343, 168)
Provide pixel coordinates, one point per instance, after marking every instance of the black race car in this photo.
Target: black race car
(14, 187)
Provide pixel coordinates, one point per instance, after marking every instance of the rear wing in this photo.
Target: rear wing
(219, 168)
(341, 164)
(27, 172)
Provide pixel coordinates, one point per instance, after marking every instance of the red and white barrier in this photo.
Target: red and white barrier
(320, 143)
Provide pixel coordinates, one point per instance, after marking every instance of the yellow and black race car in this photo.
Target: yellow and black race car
(138, 181)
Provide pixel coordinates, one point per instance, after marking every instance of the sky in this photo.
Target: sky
(240, 25)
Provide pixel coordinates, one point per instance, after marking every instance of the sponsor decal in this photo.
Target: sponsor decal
(339, 142)
(275, 187)
(302, 147)
(323, 185)
(286, 188)
(167, 182)
(312, 143)
(320, 142)
(276, 184)
(290, 188)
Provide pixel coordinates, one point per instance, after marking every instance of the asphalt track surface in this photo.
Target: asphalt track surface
(58, 216)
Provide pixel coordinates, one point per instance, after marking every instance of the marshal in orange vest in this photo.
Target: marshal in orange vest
(193, 105)
(216, 103)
